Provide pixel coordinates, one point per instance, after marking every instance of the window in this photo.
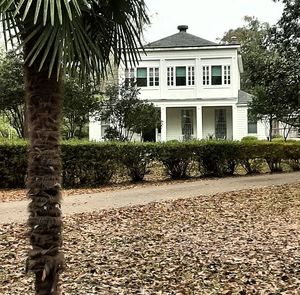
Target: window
(170, 76)
(252, 127)
(220, 124)
(216, 75)
(206, 75)
(180, 76)
(129, 76)
(191, 75)
(187, 124)
(141, 77)
(147, 77)
(227, 75)
(183, 76)
(153, 76)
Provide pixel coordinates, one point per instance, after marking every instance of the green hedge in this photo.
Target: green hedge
(89, 164)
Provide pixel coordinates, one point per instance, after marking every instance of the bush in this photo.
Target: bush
(248, 138)
(87, 164)
(218, 158)
(291, 151)
(273, 154)
(136, 157)
(176, 157)
(13, 163)
(251, 156)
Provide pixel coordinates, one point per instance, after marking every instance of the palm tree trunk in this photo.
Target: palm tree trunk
(43, 103)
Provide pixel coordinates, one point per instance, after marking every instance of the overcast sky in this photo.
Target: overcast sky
(208, 19)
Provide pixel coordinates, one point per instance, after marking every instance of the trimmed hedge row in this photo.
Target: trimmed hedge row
(88, 164)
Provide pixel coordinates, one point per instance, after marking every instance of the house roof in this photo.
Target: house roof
(244, 97)
(181, 39)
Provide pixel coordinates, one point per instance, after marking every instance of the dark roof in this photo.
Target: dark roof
(244, 97)
(181, 39)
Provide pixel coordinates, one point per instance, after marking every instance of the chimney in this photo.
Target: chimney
(182, 28)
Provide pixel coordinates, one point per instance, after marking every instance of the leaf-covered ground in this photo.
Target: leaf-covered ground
(235, 243)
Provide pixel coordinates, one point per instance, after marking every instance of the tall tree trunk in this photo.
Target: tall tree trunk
(43, 102)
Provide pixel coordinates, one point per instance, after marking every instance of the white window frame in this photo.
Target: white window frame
(152, 76)
(226, 75)
(190, 76)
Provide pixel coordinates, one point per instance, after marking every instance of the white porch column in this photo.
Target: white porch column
(234, 123)
(94, 129)
(199, 122)
(163, 118)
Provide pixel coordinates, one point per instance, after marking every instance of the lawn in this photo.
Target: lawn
(235, 243)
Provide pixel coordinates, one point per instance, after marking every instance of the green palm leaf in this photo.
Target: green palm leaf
(76, 35)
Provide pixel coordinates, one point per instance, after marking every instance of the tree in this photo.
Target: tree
(80, 101)
(12, 91)
(269, 75)
(61, 36)
(126, 113)
(251, 36)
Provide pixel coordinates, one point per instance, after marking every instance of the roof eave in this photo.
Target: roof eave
(172, 48)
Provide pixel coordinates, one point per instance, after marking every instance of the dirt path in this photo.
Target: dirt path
(16, 211)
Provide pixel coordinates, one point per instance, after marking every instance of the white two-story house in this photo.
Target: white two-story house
(196, 85)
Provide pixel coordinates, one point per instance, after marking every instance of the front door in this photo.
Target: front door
(220, 124)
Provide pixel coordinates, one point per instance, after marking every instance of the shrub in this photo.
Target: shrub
(13, 163)
(176, 157)
(136, 157)
(87, 164)
(218, 158)
(248, 138)
(273, 154)
(251, 156)
(291, 151)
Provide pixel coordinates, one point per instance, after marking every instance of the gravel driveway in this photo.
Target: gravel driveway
(16, 211)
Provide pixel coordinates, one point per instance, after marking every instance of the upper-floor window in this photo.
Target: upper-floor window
(147, 77)
(216, 75)
(181, 76)
(153, 76)
(141, 77)
(129, 76)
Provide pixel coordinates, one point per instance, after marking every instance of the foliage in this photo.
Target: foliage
(217, 158)
(126, 113)
(80, 101)
(61, 37)
(249, 138)
(136, 157)
(176, 157)
(271, 76)
(88, 164)
(12, 94)
(251, 36)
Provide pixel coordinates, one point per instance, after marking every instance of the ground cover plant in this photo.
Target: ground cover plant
(243, 242)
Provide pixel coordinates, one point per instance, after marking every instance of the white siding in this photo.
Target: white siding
(242, 122)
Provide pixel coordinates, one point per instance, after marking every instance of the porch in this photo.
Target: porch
(197, 122)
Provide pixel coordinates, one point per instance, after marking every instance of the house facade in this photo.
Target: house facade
(195, 83)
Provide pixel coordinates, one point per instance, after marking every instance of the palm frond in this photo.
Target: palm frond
(76, 35)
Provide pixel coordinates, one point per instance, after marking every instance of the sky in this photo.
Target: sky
(208, 19)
